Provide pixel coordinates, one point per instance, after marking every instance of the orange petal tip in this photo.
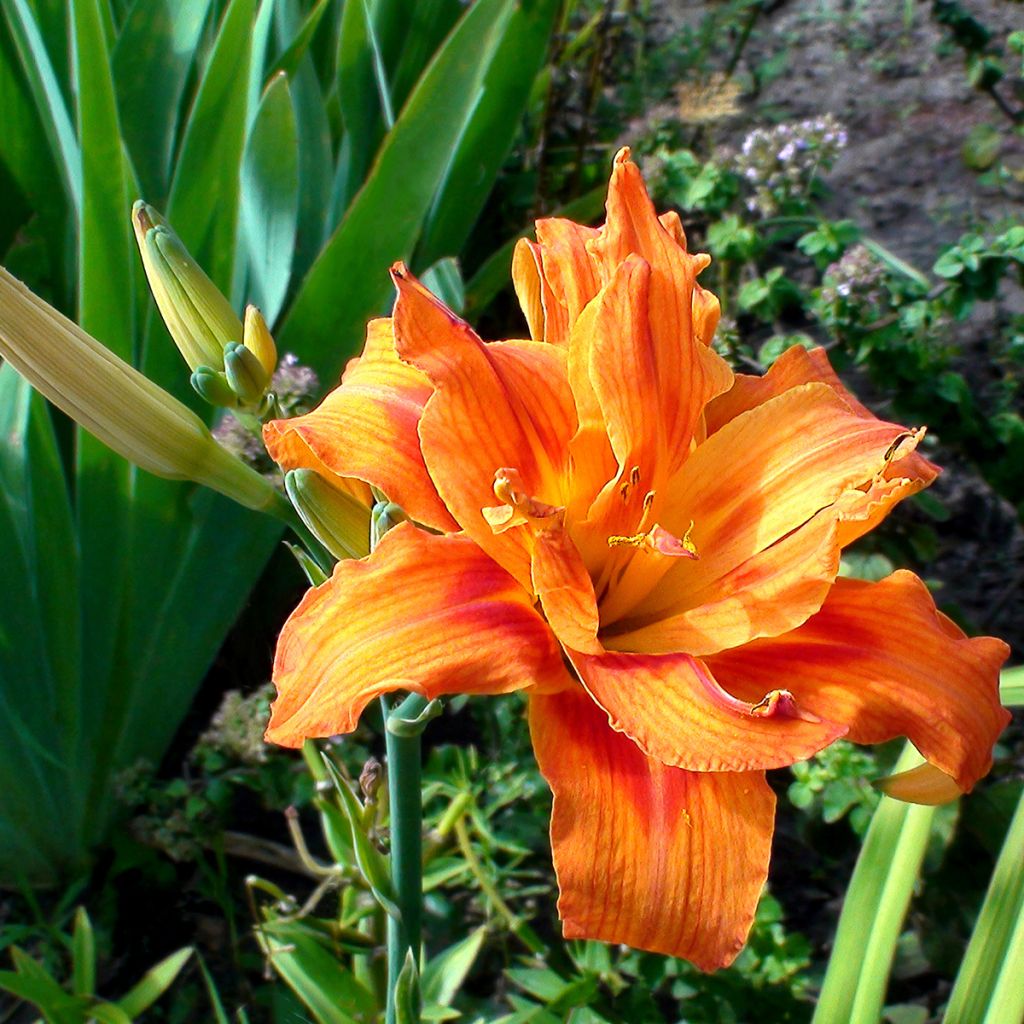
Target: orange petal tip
(924, 784)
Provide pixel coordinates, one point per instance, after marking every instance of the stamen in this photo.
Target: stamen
(626, 487)
(518, 507)
(781, 704)
(658, 541)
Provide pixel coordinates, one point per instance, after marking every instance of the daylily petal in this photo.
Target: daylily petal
(787, 460)
(881, 658)
(432, 614)
(770, 593)
(531, 286)
(685, 373)
(672, 707)
(654, 857)
(502, 405)
(798, 366)
(569, 272)
(376, 408)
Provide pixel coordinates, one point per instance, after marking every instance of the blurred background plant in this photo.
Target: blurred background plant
(299, 147)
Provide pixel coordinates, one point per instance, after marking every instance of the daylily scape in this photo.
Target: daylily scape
(610, 519)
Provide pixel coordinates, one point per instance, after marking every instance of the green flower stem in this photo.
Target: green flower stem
(406, 799)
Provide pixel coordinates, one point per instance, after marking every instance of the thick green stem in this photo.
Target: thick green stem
(406, 799)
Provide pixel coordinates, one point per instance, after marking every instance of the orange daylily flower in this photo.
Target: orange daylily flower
(645, 543)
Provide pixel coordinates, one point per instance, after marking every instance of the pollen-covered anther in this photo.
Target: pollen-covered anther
(657, 540)
(781, 704)
(519, 508)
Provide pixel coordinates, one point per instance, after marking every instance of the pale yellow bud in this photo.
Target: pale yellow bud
(340, 521)
(116, 403)
(257, 339)
(198, 317)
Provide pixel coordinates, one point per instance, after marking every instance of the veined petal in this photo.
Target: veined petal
(569, 271)
(763, 475)
(672, 707)
(770, 593)
(687, 374)
(881, 658)
(495, 406)
(531, 287)
(798, 366)
(651, 856)
(432, 614)
(376, 408)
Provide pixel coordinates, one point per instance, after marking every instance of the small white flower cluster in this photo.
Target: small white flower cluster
(855, 280)
(780, 162)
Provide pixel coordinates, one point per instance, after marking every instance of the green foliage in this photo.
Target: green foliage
(835, 784)
(31, 982)
(292, 145)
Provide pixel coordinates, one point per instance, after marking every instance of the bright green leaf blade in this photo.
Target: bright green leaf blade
(108, 1013)
(431, 22)
(53, 111)
(490, 130)
(151, 63)
(314, 974)
(445, 974)
(874, 908)
(154, 983)
(1011, 687)
(270, 197)
(289, 61)
(384, 220)
(83, 955)
(988, 985)
(105, 286)
(204, 201)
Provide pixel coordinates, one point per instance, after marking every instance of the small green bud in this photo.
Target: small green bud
(212, 386)
(385, 516)
(245, 374)
(337, 519)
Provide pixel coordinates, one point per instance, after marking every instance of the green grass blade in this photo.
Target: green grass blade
(490, 130)
(1011, 687)
(83, 955)
(361, 110)
(315, 157)
(203, 207)
(289, 61)
(988, 985)
(105, 309)
(152, 58)
(270, 197)
(384, 220)
(154, 983)
(53, 111)
(431, 22)
(874, 908)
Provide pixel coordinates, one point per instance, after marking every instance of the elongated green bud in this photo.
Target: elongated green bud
(244, 374)
(116, 403)
(198, 317)
(338, 520)
(385, 516)
(212, 386)
(257, 339)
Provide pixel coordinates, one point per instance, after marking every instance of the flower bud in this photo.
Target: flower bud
(257, 339)
(385, 516)
(244, 374)
(116, 403)
(198, 317)
(212, 386)
(340, 521)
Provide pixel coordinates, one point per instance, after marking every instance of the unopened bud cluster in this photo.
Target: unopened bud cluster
(779, 163)
(232, 363)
